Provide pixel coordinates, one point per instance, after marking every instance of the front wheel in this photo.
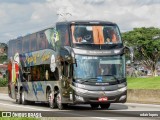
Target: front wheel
(94, 106)
(60, 105)
(105, 106)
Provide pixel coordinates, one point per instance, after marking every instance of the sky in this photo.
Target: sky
(22, 17)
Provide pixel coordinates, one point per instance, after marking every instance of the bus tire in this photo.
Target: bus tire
(18, 97)
(60, 105)
(51, 101)
(24, 102)
(105, 106)
(94, 106)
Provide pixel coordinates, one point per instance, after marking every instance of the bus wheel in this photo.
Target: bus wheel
(94, 106)
(60, 105)
(18, 97)
(105, 106)
(51, 100)
(24, 102)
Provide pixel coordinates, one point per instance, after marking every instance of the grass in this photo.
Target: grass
(144, 83)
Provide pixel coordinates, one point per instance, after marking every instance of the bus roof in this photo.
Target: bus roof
(69, 23)
(87, 22)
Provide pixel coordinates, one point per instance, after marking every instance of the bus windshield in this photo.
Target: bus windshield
(112, 67)
(95, 34)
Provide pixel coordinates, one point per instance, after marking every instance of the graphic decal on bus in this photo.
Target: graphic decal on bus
(52, 36)
(53, 63)
(26, 87)
(15, 68)
(37, 58)
(37, 87)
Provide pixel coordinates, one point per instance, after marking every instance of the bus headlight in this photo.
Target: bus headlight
(80, 90)
(122, 89)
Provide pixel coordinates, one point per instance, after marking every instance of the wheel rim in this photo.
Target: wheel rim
(59, 101)
(49, 99)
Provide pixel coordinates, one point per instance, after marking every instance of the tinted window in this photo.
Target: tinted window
(51, 35)
(10, 49)
(19, 46)
(33, 42)
(26, 44)
(42, 41)
(63, 35)
(95, 34)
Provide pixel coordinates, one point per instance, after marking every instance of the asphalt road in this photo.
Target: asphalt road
(127, 111)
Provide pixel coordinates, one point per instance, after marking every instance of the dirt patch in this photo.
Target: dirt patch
(4, 90)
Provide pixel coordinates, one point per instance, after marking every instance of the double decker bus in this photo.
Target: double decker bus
(73, 62)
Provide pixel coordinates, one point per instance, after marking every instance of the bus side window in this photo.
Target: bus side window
(37, 73)
(33, 42)
(19, 46)
(13, 48)
(63, 35)
(10, 51)
(66, 69)
(41, 40)
(49, 75)
(25, 44)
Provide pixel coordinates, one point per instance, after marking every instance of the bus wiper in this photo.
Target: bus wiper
(111, 75)
(86, 80)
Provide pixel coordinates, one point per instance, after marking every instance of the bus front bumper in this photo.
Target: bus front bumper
(86, 96)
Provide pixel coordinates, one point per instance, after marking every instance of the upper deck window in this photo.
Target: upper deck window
(95, 34)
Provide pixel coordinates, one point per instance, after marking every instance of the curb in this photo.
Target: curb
(148, 96)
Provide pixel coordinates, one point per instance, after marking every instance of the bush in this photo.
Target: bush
(3, 82)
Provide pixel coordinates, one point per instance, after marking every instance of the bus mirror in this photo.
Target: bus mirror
(131, 50)
(73, 57)
(131, 54)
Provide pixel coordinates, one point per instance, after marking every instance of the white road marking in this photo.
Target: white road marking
(103, 118)
(29, 107)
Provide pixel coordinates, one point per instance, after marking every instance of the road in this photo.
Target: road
(78, 112)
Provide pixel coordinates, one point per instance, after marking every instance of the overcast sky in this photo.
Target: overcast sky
(21, 17)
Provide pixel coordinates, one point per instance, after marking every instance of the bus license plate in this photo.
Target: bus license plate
(102, 99)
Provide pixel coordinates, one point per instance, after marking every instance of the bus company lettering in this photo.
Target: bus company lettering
(32, 59)
(46, 56)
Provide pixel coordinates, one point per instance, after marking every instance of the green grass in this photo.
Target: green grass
(144, 83)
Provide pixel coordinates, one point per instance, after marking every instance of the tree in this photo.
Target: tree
(3, 52)
(147, 47)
